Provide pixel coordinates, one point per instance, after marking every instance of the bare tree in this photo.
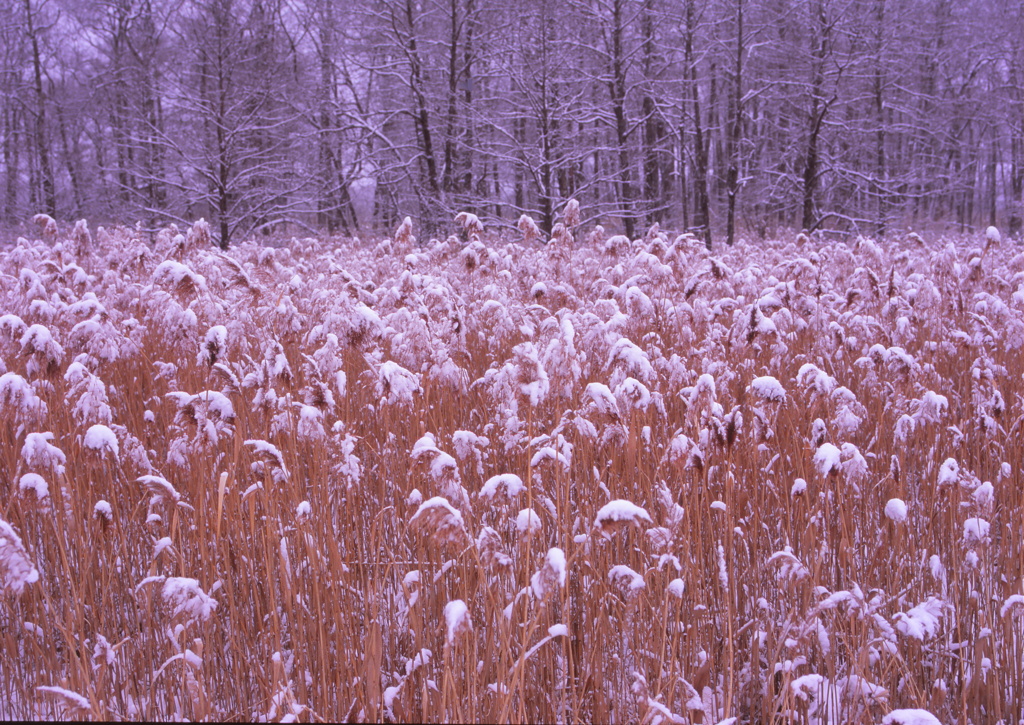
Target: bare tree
(735, 128)
(702, 214)
(33, 30)
(717, 116)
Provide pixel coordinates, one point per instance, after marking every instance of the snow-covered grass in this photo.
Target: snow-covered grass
(594, 481)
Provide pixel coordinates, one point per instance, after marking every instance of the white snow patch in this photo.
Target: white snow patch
(161, 488)
(422, 659)
(38, 452)
(827, 459)
(626, 577)
(425, 446)
(932, 406)
(620, 511)
(551, 575)
(396, 384)
(161, 545)
(213, 345)
(704, 388)
(921, 622)
(976, 531)
(810, 376)
(768, 388)
(984, 495)
(439, 519)
(528, 521)
(100, 438)
(437, 503)
(16, 569)
(456, 616)
(74, 705)
(601, 397)
(1015, 600)
(174, 274)
(188, 599)
(896, 510)
(949, 472)
(910, 717)
(558, 630)
(35, 483)
(102, 510)
(512, 484)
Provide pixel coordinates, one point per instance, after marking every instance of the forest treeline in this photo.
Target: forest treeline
(723, 117)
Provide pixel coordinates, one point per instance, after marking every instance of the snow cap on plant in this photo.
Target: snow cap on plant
(16, 570)
(619, 514)
(439, 521)
(551, 576)
(529, 229)
(571, 214)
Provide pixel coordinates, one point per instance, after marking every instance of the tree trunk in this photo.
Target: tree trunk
(70, 163)
(49, 189)
(819, 107)
(119, 112)
(449, 173)
(653, 131)
(735, 130)
(878, 85)
(12, 161)
(1014, 203)
(702, 219)
(222, 159)
(519, 180)
(547, 210)
(993, 179)
(469, 22)
(428, 164)
(617, 86)
(151, 143)
(327, 210)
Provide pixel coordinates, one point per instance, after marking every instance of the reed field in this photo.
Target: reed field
(489, 479)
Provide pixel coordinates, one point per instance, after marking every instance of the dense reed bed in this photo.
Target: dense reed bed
(598, 480)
